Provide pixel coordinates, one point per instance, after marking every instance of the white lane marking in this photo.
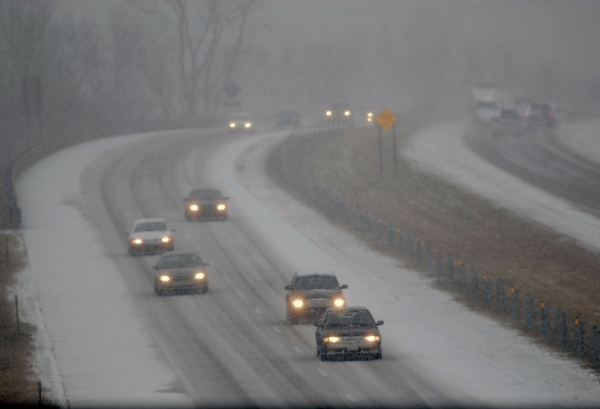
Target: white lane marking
(322, 372)
(276, 329)
(258, 311)
(350, 397)
(241, 294)
(298, 350)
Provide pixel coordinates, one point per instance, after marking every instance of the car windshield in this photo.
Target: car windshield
(315, 282)
(349, 317)
(179, 260)
(206, 194)
(242, 117)
(509, 114)
(150, 226)
(486, 105)
(541, 108)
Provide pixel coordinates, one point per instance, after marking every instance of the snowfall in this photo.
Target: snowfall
(477, 358)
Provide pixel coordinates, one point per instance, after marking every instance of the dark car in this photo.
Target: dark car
(180, 271)
(288, 118)
(509, 122)
(349, 331)
(540, 115)
(340, 113)
(205, 204)
(309, 295)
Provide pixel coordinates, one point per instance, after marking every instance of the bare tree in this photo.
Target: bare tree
(205, 30)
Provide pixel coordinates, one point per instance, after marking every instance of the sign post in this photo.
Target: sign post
(386, 120)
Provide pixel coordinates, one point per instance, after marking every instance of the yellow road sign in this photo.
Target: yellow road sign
(386, 119)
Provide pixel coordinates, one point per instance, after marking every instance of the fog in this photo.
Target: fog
(119, 61)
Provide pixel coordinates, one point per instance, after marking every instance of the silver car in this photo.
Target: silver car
(178, 271)
(149, 236)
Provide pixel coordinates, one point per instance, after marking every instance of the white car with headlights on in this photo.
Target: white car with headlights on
(309, 295)
(348, 332)
(241, 123)
(179, 271)
(150, 236)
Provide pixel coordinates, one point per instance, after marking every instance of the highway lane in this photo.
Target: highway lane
(538, 157)
(230, 346)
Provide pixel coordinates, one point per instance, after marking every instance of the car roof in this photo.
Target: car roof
(348, 309)
(149, 220)
(242, 115)
(304, 274)
(178, 253)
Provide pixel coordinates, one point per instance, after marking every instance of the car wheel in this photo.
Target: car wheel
(159, 291)
(205, 289)
(377, 356)
(132, 252)
(290, 318)
(224, 218)
(323, 355)
(188, 218)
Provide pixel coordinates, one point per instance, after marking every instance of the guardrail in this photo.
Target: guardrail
(543, 319)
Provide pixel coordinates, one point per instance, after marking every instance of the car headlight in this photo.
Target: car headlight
(232, 125)
(328, 113)
(194, 208)
(221, 207)
(136, 241)
(298, 303)
(200, 275)
(165, 278)
(347, 113)
(339, 302)
(165, 239)
(332, 338)
(248, 125)
(372, 338)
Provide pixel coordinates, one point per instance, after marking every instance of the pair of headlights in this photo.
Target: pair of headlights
(198, 276)
(246, 125)
(338, 302)
(334, 339)
(165, 239)
(220, 207)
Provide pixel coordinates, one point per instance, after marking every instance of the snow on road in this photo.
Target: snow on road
(87, 357)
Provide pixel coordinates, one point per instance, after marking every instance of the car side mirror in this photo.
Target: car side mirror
(207, 263)
(379, 323)
(343, 286)
(127, 231)
(172, 229)
(155, 267)
(289, 287)
(226, 198)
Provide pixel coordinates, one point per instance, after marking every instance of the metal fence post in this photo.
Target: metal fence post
(528, 311)
(487, 290)
(440, 271)
(501, 300)
(417, 251)
(514, 304)
(428, 258)
(596, 345)
(391, 234)
(578, 338)
(450, 269)
(408, 246)
(462, 275)
(474, 283)
(561, 328)
(545, 320)
(399, 235)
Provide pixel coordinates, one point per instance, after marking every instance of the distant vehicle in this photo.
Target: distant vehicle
(241, 123)
(340, 113)
(370, 117)
(205, 204)
(309, 295)
(349, 331)
(562, 112)
(487, 93)
(180, 271)
(288, 118)
(540, 115)
(149, 236)
(522, 106)
(509, 122)
(484, 112)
